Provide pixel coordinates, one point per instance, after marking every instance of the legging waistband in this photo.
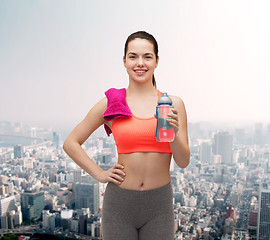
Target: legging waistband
(141, 193)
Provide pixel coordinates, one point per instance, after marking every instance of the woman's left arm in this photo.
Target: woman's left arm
(180, 145)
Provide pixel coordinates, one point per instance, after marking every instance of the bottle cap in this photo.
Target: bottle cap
(164, 99)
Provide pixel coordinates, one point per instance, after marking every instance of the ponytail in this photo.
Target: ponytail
(154, 81)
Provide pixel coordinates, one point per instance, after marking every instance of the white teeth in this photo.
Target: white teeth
(140, 71)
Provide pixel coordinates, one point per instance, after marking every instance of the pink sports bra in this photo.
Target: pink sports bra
(134, 134)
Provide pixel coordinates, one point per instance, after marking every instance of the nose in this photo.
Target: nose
(140, 61)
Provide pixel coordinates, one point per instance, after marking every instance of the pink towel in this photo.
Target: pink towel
(116, 106)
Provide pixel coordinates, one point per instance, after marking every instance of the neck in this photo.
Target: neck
(141, 89)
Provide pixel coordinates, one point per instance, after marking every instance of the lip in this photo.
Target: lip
(140, 72)
(140, 69)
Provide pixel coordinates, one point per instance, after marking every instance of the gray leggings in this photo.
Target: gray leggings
(137, 215)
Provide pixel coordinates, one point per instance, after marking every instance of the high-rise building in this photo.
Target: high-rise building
(7, 204)
(56, 139)
(32, 203)
(66, 218)
(18, 151)
(205, 152)
(82, 224)
(104, 158)
(263, 228)
(48, 220)
(77, 175)
(266, 156)
(87, 196)
(222, 146)
(4, 221)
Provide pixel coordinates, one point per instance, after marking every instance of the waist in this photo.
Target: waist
(145, 171)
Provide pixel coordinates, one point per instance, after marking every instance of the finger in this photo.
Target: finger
(118, 171)
(174, 111)
(117, 177)
(173, 122)
(114, 181)
(117, 165)
(174, 126)
(173, 117)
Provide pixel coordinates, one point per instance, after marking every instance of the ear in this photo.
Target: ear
(124, 61)
(157, 61)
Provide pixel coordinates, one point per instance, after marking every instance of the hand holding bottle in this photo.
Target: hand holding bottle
(166, 119)
(173, 120)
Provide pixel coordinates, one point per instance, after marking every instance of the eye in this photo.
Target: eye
(131, 56)
(148, 57)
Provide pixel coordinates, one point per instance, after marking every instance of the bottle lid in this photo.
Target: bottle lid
(164, 99)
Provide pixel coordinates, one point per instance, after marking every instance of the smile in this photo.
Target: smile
(140, 71)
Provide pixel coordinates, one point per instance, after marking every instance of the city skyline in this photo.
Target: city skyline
(217, 196)
(58, 59)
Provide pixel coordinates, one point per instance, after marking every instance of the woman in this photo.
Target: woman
(138, 198)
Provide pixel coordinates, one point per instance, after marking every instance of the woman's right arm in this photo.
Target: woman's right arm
(72, 146)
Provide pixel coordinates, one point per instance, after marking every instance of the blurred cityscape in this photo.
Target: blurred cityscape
(224, 193)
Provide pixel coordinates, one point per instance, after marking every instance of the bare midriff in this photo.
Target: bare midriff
(145, 170)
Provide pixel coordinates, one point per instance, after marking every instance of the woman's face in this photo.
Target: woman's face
(140, 61)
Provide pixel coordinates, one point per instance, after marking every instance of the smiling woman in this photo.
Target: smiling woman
(140, 60)
(138, 201)
(147, 39)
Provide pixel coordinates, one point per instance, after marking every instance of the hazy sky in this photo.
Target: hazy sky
(58, 57)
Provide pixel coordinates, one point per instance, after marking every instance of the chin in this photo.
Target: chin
(141, 81)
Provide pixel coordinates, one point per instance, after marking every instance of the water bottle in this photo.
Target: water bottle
(164, 131)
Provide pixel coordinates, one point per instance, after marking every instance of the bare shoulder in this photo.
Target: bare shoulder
(98, 109)
(102, 104)
(177, 102)
(90, 123)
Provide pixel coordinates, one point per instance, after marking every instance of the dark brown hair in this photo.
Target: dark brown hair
(150, 38)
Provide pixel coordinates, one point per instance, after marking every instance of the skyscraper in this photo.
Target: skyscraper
(263, 228)
(7, 204)
(205, 152)
(87, 196)
(77, 175)
(223, 146)
(56, 139)
(32, 203)
(18, 151)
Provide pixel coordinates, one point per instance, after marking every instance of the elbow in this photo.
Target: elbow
(185, 163)
(66, 145)
(184, 160)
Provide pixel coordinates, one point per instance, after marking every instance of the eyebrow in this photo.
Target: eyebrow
(132, 53)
